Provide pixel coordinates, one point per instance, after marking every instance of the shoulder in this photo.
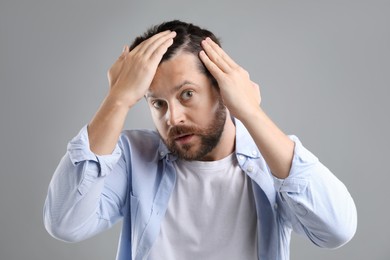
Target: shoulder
(142, 145)
(142, 138)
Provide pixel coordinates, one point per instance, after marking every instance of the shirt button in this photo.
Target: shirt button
(241, 157)
(250, 169)
(275, 206)
(161, 153)
(254, 152)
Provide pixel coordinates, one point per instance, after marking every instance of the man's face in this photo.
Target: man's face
(187, 110)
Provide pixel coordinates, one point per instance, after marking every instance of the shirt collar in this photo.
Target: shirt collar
(164, 152)
(244, 142)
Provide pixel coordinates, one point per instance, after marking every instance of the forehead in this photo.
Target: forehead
(182, 69)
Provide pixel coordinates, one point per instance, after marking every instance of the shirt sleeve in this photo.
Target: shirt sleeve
(86, 193)
(314, 202)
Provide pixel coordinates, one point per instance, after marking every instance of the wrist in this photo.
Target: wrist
(120, 100)
(249, 115)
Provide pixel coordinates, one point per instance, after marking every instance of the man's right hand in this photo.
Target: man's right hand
(131, 75)
(129, 78)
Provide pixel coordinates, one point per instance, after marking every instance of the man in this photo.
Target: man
(218, 180)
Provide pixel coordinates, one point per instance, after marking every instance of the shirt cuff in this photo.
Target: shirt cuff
(79, 151)
(299, 176)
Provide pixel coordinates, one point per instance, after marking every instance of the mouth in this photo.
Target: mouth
(184, 138)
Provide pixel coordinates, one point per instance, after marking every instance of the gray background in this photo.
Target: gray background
(323, 67)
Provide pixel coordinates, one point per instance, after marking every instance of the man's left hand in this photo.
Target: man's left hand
(240, 95)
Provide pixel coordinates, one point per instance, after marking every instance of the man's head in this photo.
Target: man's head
(184, 98)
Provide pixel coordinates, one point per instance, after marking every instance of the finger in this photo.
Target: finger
(215, 57)
(159, 52)
(218, 55)
(149, 46)
(211, 66)
(125, 50)
(222, 53)
(160, 45)
(120, 59)
(143, 45)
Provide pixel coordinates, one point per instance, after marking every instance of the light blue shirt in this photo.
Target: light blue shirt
(90, 193)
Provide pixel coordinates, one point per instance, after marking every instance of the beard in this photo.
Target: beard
(209, 137)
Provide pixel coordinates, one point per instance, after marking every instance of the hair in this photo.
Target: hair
(188, 39)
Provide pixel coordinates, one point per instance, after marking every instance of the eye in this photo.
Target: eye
(158, 104)
(187, 94)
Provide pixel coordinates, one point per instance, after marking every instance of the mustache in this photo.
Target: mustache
(176, 131)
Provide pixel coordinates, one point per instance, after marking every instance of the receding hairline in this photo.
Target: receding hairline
(188, 29)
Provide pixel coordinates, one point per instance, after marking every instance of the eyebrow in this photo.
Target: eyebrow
(174, 89)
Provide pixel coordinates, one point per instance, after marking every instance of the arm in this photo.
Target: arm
(129, 79)
(241, 96)
(314, 202)
(311, 199)
(84, 196)
(88, 189)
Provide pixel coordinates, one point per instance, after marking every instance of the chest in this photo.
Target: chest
(211, 207)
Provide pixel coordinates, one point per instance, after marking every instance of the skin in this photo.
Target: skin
(185, 106)
(137, 74)
(242, 98)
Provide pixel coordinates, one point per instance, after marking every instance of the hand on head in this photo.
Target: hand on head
(239, 93)
(131, 75)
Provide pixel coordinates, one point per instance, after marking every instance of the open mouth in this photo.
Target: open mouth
(183, 138)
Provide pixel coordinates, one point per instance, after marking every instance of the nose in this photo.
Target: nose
(175, 114)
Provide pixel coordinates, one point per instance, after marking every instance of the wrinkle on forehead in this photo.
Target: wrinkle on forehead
(173, 74)
(175, 89)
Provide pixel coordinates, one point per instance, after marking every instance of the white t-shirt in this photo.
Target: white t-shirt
(211, 214)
